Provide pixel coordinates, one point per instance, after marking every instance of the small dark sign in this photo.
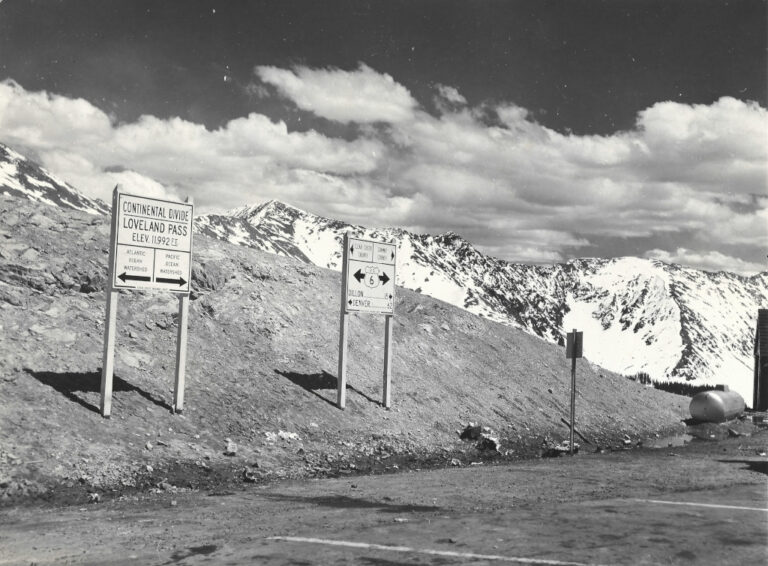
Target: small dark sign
(574, 345)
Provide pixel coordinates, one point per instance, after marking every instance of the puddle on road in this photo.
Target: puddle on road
(204, 550)
(672, 441)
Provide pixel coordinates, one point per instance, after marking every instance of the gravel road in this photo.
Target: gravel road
(704, 503)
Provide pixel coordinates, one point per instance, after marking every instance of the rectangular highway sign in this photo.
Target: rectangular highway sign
(153, 244)
(370, 276)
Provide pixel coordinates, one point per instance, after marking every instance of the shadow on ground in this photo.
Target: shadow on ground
(346, 502)
(313, 382)
(70, 384)
(751, 465)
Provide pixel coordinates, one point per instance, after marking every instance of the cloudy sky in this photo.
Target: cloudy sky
(539, 130)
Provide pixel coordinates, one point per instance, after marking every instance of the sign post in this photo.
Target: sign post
(181, 343)
(110, 324)
(150, 248)
(573, 350)
(367, 285)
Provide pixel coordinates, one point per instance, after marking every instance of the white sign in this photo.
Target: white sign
(153, 247)
(370, 273)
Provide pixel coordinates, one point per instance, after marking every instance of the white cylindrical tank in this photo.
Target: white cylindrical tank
(716, 406)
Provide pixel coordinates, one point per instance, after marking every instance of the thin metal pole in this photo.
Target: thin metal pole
(181, 344)
(573, 391)
(181, 355)
(110, 322)
(108, 357)
(341, 380)
(387, 401)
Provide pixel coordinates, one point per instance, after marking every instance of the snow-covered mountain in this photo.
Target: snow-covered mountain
(638, 315)
(21, 177)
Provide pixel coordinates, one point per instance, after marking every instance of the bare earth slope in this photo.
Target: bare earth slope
(262, 359)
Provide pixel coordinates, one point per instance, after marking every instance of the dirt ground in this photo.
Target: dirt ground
(260, 375)
(704, 502)
(262, 451)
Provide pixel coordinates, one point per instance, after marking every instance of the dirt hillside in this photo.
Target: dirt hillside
(261, 372)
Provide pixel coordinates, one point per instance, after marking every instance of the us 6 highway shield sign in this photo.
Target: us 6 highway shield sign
(369, 276)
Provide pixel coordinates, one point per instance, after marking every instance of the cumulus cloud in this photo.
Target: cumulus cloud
(694, 174)
(450, 94)
(708, 261)
(363, 95)
(222, 167)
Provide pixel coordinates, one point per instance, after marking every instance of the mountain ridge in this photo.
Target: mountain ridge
(24, 178)
(640, 315)
(643, 315)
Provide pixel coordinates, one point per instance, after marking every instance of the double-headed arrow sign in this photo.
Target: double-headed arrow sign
(125, 277)
(360, 276)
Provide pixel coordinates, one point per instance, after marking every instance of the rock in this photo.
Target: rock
(250, 475)
(165, 486)
(488, 442)
(455, 462)
(150, 469)
(734, 433)
(231, 449)
(148, 445)
(30, 254)
(94, 497)
(38, 219)
(551, 450)
(284, 435)
(93, 283)
(471, 432)
(208, 276)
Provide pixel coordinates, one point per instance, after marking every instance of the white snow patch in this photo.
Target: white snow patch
(9, 176)
(319, 245)
(630, 322)
(39, 183)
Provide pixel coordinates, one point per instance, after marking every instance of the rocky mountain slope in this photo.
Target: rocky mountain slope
(638, 315)
(671, 322)
(21, 177)
(261, 367)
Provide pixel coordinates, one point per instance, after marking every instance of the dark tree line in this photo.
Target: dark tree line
(679, 388)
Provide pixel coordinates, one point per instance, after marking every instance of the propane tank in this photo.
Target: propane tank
(716, 406)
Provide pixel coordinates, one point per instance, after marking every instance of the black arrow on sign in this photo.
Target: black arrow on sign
(180, 281)
(393, 255)
(383, 278)
(349, 302)
(352, 249)
(359, 275)
(125, 277)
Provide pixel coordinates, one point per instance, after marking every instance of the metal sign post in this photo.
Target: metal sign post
(367, 285)
(181, 341)
(150, 248)
(110, 324)
(573, 350)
